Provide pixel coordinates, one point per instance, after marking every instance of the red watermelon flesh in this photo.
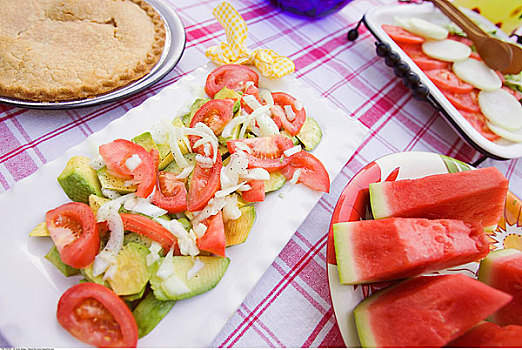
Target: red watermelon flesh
(472, 196)
(490, 335)
(382, 250)
(426, 311)
(502, 269)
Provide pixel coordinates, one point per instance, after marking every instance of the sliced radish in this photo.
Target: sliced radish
(515, 136)
(477, 74)
(501, 108)
(446, 50)
(423, 28)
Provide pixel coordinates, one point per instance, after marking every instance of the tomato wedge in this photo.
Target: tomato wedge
(446, 79)
(265, 152)
(282, 99)
(401, 35)
(213, 241)
(465, 102)
(95, 315)
(115, 155)
(149, 228)
(313, 173)
(478, 122)
(170, 193)
(256, 193)
(233, 76)
(204, 183)
(72, 227)
(215, 114)
(414, 51)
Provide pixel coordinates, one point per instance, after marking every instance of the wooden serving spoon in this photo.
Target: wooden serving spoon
(496, 54)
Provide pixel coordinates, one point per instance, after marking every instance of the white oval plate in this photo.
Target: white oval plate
(354, 205)
(377, 16)
(31, 286)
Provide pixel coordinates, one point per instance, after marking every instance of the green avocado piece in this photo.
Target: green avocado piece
(177, 286)
(294, 139)
(149, 312)
(89, 276)
(95, 202)
(54, 257)
(79, 180)
(146, 141)
(236, 231)
(229, 93)
(133, 237)
(40, 230)
(132, 273)
(174, 168)
(165, 156)
(310, 134)
(276, 181)
(114, 183)
(136, 296)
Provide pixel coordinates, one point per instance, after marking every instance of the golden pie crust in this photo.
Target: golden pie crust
(57, 50)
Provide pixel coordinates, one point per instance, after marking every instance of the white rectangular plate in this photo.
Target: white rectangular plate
(378, 16)
(31, 286)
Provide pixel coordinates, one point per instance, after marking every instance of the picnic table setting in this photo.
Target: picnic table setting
(261, 173)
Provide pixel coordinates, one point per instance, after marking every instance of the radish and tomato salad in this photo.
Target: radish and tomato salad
(487, 99)
(163, 207)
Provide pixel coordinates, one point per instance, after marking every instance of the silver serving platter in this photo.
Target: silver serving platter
(175, 39)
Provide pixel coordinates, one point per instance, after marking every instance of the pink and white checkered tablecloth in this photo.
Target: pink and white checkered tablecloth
(290, 306)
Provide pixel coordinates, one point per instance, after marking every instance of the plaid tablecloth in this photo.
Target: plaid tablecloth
(290, 306)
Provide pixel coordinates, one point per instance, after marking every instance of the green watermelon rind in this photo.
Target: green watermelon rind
(378, 204)
(488, 263)
(344, 253)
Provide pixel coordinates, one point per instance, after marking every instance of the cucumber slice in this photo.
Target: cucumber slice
(277, 180)
(477, 74)
(310, 134)
(149, 312)
(178, 287)
(54, 257)
(423, 28)
(236, 231)
(501, 108)
(132, 273)
(515, 136)
(446, 50)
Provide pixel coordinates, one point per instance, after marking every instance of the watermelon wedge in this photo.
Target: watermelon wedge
(502, 269)
(383, 250)
(426, 311)
(472, 196)
(490, 335)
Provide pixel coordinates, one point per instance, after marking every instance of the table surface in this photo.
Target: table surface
(290, 306)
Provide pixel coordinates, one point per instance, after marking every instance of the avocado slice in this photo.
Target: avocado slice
(114, 183)
(165, 156)
(174, 168)
(146, 141)
(236, 231)
(294, 139)
(95, 202)
(54, 257)
(276, 181)
(133, 237)
(40, 230)
(135, 296)
(310, 134)
(149, 312)
(79, 180)
(177, 286)
(132, 273)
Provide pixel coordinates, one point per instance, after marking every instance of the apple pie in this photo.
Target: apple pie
(58, 50)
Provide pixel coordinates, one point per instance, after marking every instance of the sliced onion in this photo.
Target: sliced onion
(200, 230)
(251, 102)
(229, 190)
(143, 206)
(227, 130)
(267, 126)
(97, 163)
(266, 95)
(295, 176)
(133, 162)
(501, 108)
(185, 172)
(291, 151)
(231, 210)
(256, 174)
(289, 112)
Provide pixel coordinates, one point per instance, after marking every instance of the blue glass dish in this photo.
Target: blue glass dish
(311, 8)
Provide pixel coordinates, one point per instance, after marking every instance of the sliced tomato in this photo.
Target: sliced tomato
(401, 35)
(204, 184)
(478, 122)
(265, 152)
(254, 91)
(116, 153)
(72, 227)
(465, 102)
(446, 79)
(256, 193)
(171, 193)
(215, 114)
(313, 173)
(414, 51)
(213, 241)
(475, 56)
(461, 39)
(149, 228)
(232, 76)
(281, 100)
(95, 315)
